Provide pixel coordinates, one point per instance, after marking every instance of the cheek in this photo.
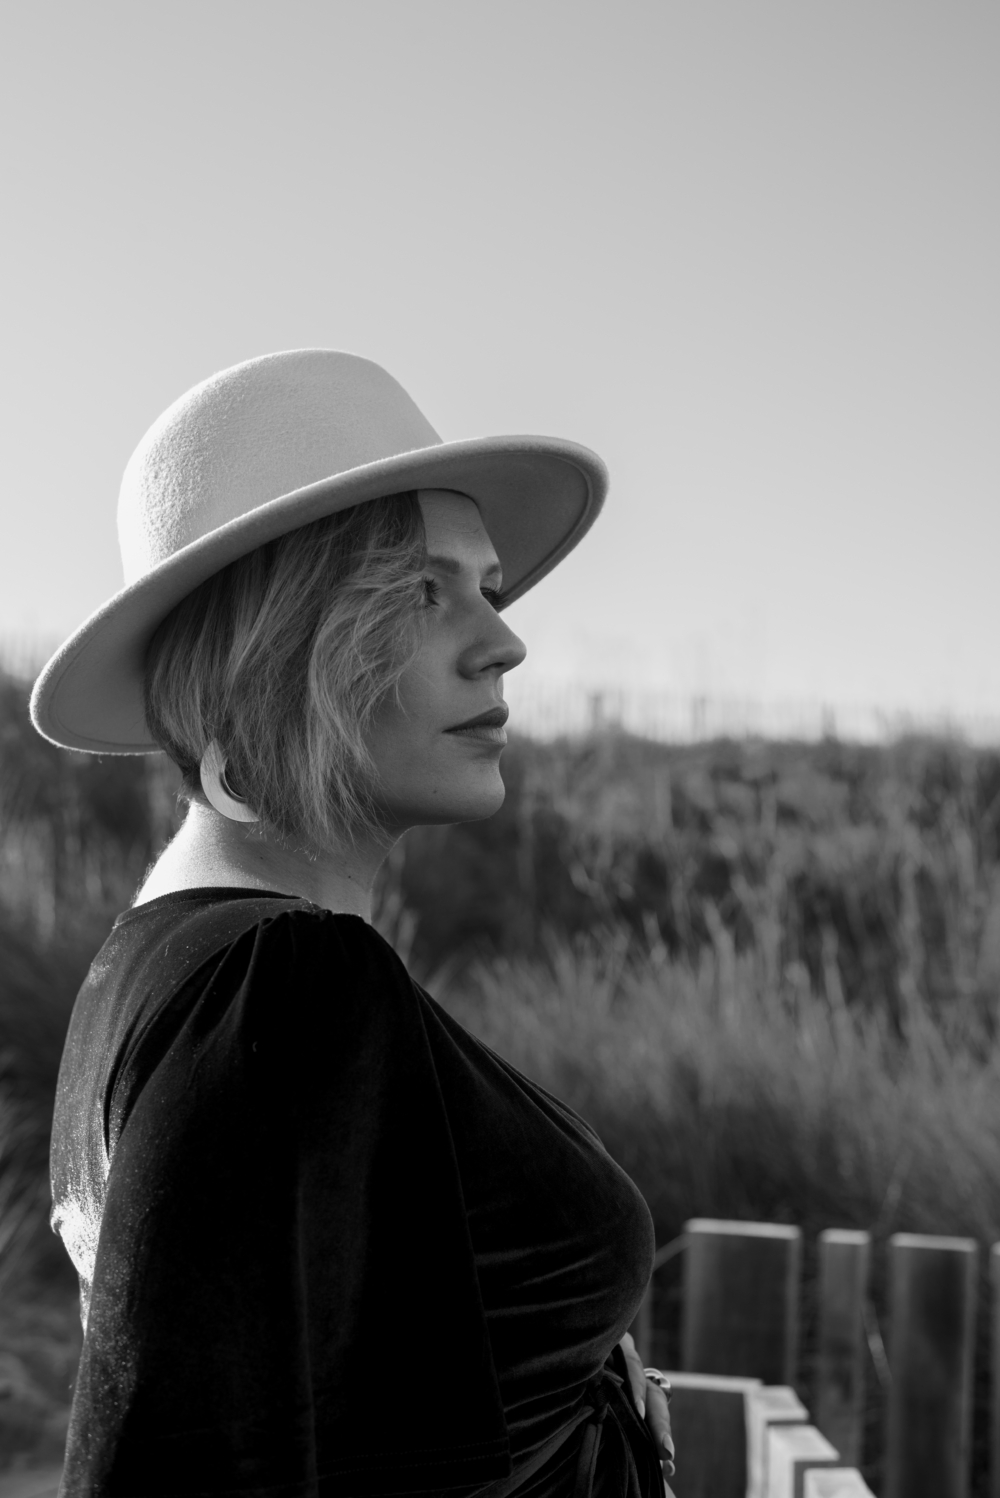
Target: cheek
(420, 708)
(402, 738)
(426, 776)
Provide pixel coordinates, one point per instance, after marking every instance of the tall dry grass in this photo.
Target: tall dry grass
(726, 1095)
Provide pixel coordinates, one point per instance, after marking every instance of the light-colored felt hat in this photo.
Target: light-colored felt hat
(265, 447)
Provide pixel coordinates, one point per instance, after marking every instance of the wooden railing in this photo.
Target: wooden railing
(740, 1428)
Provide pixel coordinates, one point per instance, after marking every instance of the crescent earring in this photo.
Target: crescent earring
(218, 792)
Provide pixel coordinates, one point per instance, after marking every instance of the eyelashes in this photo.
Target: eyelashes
(432, 593)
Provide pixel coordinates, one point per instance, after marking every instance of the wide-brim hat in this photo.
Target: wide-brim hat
(255, 452)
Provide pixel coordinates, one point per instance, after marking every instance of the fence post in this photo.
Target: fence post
(767, 1406)
(835, 1482)
(932, 1305)
(709, 1421)
(792, 1451)
(643, 1328)
(739, 1315)
(843, 1285)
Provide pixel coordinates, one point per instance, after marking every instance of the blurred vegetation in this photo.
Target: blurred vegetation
(768, 973)
(874, 873)
(725, 1094)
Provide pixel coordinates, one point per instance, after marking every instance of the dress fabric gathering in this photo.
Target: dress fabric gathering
(329, 1243)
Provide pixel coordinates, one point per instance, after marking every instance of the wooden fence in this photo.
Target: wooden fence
(740, 1428)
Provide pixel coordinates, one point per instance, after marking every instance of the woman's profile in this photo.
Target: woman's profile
(328, 1243)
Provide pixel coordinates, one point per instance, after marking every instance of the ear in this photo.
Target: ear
(212, 772)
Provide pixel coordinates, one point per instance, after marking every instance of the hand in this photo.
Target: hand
(651, 1403)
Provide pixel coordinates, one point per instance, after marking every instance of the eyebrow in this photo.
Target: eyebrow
(453, 567)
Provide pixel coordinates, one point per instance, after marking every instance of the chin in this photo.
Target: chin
(465, 798)
(478, 808)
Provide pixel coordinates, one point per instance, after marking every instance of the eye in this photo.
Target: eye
(431, 590)
(492, 596)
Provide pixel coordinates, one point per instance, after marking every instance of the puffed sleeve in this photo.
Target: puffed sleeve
(285, 1298)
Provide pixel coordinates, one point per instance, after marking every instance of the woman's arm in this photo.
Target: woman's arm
(270, 1164)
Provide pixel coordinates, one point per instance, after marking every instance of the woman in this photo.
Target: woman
(328, 1243)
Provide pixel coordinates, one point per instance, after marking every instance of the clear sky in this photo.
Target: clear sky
(747, 250)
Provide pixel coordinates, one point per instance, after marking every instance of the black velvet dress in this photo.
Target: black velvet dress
(328, 1242)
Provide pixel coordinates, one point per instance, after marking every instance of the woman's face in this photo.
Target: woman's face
(437, 749)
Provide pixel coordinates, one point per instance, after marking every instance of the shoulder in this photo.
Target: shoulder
(297, 949)
(302, 972)
(172, 938)
(292, 998)
(268, 954)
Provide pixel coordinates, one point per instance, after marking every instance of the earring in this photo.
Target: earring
(212, 772)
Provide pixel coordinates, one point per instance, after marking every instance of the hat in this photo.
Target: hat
(260, 449)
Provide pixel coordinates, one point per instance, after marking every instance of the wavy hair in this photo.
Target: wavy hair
(285, 656)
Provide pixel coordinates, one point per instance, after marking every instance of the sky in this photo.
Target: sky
(747, 250)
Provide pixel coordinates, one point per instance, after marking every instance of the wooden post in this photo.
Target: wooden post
(835, 1482)
(770, 1404)
(792, 1451)
(843, 1285)
(708, 1417)
(643, 1328)
(739, 1315)
(932, 1306)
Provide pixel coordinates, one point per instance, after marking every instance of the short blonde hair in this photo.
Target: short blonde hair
(285, 656)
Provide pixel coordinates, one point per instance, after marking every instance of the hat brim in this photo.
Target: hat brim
(538, 496)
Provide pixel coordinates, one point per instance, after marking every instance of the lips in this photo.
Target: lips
(487, 729)
(495, 717)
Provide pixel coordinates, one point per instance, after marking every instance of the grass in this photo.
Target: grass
(724, 1095)
(39, 1349)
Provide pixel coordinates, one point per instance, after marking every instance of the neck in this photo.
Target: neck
(211, 850)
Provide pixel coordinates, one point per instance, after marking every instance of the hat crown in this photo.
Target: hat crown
(252, 434)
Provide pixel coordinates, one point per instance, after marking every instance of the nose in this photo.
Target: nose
(497, 648)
